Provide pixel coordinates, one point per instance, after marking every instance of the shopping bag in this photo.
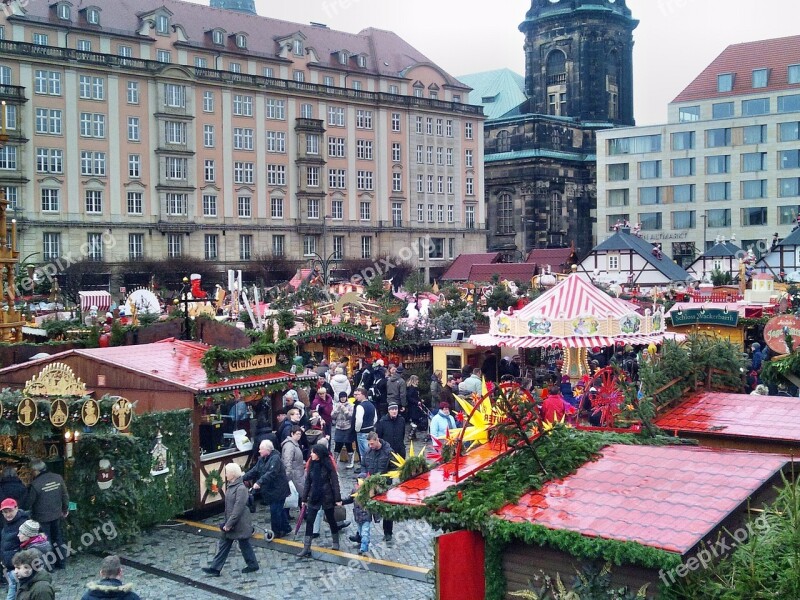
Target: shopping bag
(344, 455)
(339, 513)
(293, 499)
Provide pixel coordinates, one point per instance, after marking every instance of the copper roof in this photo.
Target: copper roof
(742, 59)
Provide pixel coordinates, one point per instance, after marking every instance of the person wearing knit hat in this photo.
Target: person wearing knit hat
(321, 492)
(31, 538)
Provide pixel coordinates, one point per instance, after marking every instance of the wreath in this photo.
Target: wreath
(213, 482)
(372, 486)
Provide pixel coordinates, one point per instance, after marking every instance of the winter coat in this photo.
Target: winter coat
(294, 463)
(396, 390)
(441, 423)
(377, 461)
(109, 589)
(446, 395)
(37, 587)
(47, 497)
(324, 406)
(9, 542)
(360, 516)
(331, 494)
(471, 385)
(270, 475)
(12, 487)
(342, 422)
(436, 389)
(365, 379)
(340, 383)
(238, 519)
(40, 543)
(394, 432)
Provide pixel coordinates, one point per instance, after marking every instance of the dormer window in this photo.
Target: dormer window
(760, 78)
(297, 47)
(241, 40)
(342, 57)
(218, 37)
(64, 12)
(162, 24)
(362, 61)
(725, 82)
(93, 16)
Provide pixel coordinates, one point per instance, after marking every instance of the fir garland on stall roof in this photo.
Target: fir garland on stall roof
(216, 358)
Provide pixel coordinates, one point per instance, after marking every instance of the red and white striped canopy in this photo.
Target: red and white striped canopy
(487, 340)
(102, 300)
(575, 297)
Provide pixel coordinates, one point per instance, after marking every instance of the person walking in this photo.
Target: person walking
(396, 390)
(365, 416)
(416, 412)
(48, 502)
(110, 586)
(238, 525)
(270, 478)
(343, 434)
(392, 428)
(376, 462)
(320, 492)
(293, 462)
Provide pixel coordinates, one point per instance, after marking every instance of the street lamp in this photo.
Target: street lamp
(325, 264)
(705, 230)
(183, 298)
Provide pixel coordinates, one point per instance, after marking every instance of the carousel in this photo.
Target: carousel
(574, 316)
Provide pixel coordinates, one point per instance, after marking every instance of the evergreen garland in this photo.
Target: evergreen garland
(217, 357)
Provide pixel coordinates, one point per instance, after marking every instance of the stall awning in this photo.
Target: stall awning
(489, 340)
(102, 300)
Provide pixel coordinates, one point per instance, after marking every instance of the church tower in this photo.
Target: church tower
(245, 6)
(579, 60)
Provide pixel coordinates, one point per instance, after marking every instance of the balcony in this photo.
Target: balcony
(13, 94)
(310, 228)
(557, 79)
(178, 226)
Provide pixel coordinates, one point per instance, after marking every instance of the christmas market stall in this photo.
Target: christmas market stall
(66, 397)
(527, 505)
(575, 316)
(742, 421)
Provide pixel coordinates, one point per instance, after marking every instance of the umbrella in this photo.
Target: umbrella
(300, 518)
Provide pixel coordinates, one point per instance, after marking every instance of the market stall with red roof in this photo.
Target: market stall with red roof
(743, 421)
(171, 375)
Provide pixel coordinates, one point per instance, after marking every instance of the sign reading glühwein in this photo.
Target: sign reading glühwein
(260, 361)
(708, 316)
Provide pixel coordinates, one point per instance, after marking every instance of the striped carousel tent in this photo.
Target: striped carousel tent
(573, 314)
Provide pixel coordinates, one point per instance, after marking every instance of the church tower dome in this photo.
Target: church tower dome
(245, 6)
(579, 59)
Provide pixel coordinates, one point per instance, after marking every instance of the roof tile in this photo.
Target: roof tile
(459, 270)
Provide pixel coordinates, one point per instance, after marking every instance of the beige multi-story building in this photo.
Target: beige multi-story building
(726, 164)
(164, 128)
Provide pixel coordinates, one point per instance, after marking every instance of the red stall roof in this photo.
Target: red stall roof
(771, 418)
(664, 497)
(176, 362)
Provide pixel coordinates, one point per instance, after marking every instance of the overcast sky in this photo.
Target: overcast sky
(675, 40)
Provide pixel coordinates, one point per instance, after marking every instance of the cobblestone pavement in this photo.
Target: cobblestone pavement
(178, 554)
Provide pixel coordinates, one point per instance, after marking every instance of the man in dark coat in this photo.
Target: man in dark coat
(13, 517)
(392, 428)
(238, 523)
(11, 486)
(270, 478)
(110, 585)
(378, 460)
(48, 503)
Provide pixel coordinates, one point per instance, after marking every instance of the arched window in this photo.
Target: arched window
(557, 83)
(505, 214)
(503, 141)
